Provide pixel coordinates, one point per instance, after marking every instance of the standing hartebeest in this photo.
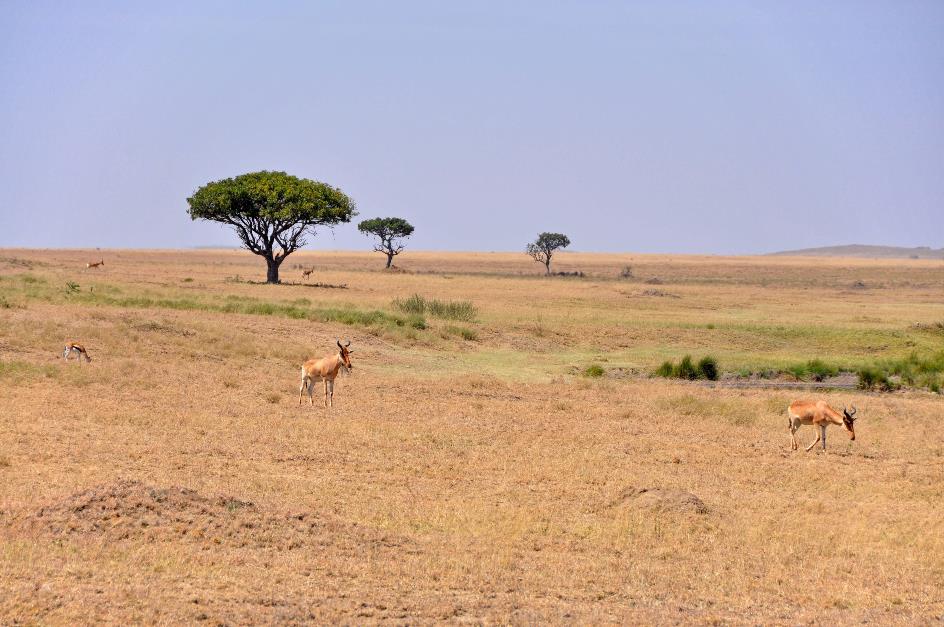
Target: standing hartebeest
(307, 272)
(819, 414)
(77, 349)
(95, 264)
(325, 369)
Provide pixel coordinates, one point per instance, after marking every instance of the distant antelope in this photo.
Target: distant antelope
(94, 264)
(325, 369)
(307, 273)
(77, 349)
(818, 414)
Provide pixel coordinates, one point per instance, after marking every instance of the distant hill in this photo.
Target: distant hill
(860, 250)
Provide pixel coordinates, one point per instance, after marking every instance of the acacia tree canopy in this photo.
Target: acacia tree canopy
(271, 212)
(389, 231)
(545, 246)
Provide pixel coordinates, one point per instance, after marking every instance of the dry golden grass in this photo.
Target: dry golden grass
(175, 478)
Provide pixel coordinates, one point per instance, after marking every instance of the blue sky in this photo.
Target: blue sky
(728, 127)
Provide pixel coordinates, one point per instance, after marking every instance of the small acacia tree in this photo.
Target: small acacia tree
(545, 246)
(271, 212)
(389, 231)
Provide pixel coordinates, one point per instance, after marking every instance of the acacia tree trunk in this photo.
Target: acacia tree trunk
(547, 265)
(272, 274)
(389, 258)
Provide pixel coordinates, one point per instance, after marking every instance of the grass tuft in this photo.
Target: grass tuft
(708, 368)
(450, 310)
(469, 335)
(665, 370)
(686, 369)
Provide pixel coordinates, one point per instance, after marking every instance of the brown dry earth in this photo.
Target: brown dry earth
(175, 479)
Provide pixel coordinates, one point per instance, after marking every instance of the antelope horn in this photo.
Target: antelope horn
(854, 410)
(339, 343)
(348, 343)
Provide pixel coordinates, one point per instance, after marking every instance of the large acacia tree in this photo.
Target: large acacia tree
(389, 232)
(271, 212)
(542, 249)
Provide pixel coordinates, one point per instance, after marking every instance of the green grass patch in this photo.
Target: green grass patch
(706, 368)
(819, 370)
(469, 335)
(915, 370)
(298, 309)
(665, 370)
(594, 371)
(872, 378)
(812, 370)
(447, 309)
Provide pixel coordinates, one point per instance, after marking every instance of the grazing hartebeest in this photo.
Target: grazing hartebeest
(819, 414)
(95, 264)
(325, 369)
(77, 349)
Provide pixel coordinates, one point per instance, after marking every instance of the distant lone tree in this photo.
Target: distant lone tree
(389, 231)
(546, 245)
(271, 212)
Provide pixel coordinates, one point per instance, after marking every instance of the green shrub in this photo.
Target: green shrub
(708, 368)
(686, 369)
(594, 371)
(935, 387)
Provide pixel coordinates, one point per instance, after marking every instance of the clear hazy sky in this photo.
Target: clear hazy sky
(720, 127)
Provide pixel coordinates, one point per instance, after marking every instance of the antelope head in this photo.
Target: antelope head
(344, 355)
(848, 419)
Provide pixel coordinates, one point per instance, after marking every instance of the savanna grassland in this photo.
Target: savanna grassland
(469, 470)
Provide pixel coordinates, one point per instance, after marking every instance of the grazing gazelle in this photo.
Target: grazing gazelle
(77, 349)
(94, 264)
(819, 414)
(325, 369)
